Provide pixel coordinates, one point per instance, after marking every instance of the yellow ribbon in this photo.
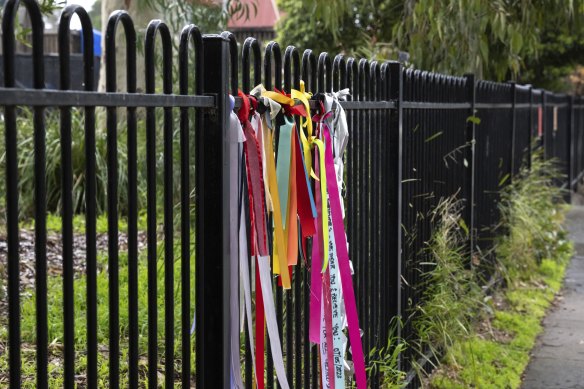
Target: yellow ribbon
(308, 141)
(279, 97)
(280, 243)
(306, 122)
(323, 198)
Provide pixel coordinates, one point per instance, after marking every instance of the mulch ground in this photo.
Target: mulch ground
(54, 259)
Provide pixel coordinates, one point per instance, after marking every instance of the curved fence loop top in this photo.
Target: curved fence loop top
(115, 18)
(385, 77)
(291, 79)
(190, 33)
(353, 78)
(9, 41)
(64, 48)
(150, 56)
(364, 86)
(375, 80)
(250, 46)
(324, 74)
(309, 70)
(339, 72)
(273, 51)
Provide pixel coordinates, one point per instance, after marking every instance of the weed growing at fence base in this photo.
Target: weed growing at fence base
(452, 294)
(384, 361)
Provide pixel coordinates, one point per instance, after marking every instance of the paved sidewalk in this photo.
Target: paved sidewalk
(558, 358)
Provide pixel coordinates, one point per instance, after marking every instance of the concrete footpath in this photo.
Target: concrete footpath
(558, 359)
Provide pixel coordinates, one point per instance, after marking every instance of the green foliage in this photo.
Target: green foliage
(48, 7)
(95, 14)
(533, 252)
(209, 16)
(487, 361)
(496, 37)
(386, 359)
(301, 29)
(560, 51)
(452, 296)
(54, 223)
(532, 212)
(26, 162)
(55, 318)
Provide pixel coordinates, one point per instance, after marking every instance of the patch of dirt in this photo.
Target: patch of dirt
(486, 331)
(54, 251)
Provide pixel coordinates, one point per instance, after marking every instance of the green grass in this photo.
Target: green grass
(499, 363)
(55, 321)
(452, 295)
(54, 223)
(480, 343)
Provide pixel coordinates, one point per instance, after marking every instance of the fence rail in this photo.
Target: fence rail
(415, 138)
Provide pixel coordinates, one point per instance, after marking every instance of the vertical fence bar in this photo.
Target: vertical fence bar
(149, 56)
(12, 230)
(386, 303)
(273, 51)
(250, 47)
(213, 248)
(513, 130)
(67, 174)
(395, 190)
(188, 34)
(470, 158)
(112, 180)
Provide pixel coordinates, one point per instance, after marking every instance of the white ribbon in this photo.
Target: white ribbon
(271, 323)
(234, 139)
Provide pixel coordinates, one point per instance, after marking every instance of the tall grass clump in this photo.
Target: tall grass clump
(532, 212)
(384, 361)
(26, 162)
(452, 296)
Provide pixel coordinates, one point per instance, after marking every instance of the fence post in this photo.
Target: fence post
(213, 214)
(395, 196)
(470, 159)
(513, 128)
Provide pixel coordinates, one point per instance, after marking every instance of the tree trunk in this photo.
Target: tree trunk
(141, 15)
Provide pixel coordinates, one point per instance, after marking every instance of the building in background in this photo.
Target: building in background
(261, 23)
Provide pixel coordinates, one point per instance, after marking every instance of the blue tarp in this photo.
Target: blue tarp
(96, 43)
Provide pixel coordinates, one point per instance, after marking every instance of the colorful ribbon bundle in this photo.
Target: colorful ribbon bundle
(279, 200)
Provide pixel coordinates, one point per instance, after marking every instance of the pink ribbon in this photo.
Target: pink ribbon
(345, 269)
(315, 273)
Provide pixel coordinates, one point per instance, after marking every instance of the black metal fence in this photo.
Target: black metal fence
(415, 137)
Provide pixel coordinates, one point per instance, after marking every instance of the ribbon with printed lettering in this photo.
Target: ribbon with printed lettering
(290, 179)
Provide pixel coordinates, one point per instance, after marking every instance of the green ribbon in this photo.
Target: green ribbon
(283, 166)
